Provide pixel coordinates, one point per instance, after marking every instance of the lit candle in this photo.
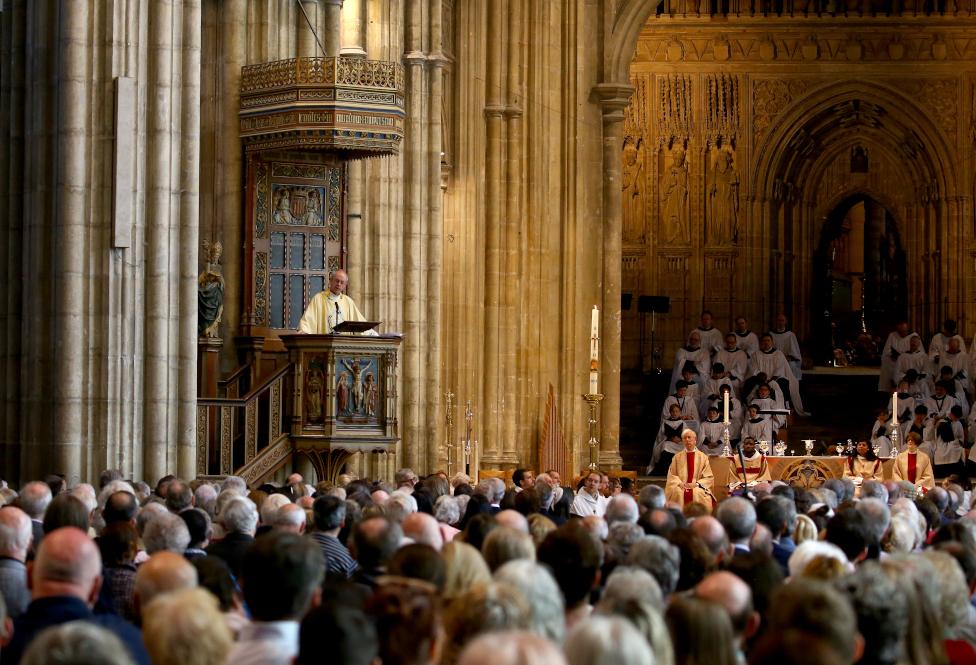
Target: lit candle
(894, 409)
(594, 351)
(725, 399)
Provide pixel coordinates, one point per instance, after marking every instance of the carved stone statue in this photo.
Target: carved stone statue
(674, 199)
(632, 186)
(210, 293)
(723, 201)
(282, 208)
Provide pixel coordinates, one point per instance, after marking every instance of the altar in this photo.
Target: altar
(801, 471)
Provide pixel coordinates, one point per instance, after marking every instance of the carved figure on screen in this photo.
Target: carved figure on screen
(210, 293)
(370, 390)
(632, 185)
(313, 209)
(342, 393)
(282, 209)
(355, 370)
(674, 199)
(723, 199)
(313, 389)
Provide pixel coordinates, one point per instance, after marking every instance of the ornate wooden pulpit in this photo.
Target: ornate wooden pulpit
(343, 397)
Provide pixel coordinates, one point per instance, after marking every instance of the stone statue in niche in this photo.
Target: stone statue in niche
(210, 293)
(632, 187)
(674, 198)
(723, 200)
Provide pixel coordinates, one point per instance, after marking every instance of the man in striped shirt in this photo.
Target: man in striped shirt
(329, 515)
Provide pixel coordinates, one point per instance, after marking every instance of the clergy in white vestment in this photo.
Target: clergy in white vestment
(589, 501)
(785, 340)
(712, 388)
(687, 406)
(769, 399)
(695, 352)
(712, 429)
(897, 343)
(951, 443)
(690, 476)
(914, 358)
(756, 469)
(769, 364)
(756, 426)
(733, 357)
(941, 402)
(953, 356)
(747, 340)
(711, 337)
(331, 307)
(668, 440)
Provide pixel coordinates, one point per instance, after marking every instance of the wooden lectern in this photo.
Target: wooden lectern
(343, 397)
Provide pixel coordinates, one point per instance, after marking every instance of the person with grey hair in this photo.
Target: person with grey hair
(622, 508)
(506, 544)
(15, 539)
(205, 498)
(179, 496)
(952, 594)
(651, 497)
(512, 647)
(399, 505)
(842, 487)
(492, 489)
(166, 532)
(447, 512)
(235, 483)
(877, 519)
(620, 538)
(882, 612)
(631, 583)
(874, 489)
(328, 518)
(423, 529)
(405, 479)
(86, 494)
(738, 517)
(602, 639)
(147, 513)
(34, 499)
(270, 506)
(540, 590)
(239, 519)
(658, 557)
(290, 517)
(76, 643)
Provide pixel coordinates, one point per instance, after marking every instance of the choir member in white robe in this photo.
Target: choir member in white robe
(711, 430)
(696, 353)
(769, 399)
(785, 340)
(906, 404)
(940, 341)
(954, 387)
(331, 307)
(922, 426)
(736, 413)
(896, 344)
(941, 402)
(711, 389)
(747, 340)
(916, 387)
(588, 501)
(881, 434)
(756, 426)
(711, 337)
(951, 445)
(863, 465)
(769, 364)
(733, 358)
(687, 407)
(914, 358)
(914, 465)
(690, 476)
(668, 441)
(958, 360)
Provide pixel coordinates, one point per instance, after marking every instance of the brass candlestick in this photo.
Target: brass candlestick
(594, 443)
(449, 447)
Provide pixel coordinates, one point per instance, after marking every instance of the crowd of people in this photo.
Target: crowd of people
(445, 571)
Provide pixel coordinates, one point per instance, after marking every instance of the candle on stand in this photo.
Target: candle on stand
(725, 400)
(894, 409)
(595, 351)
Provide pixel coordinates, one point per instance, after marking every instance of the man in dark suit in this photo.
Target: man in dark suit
(239, 518)
(15, 540)
(65, 581)
(738, 518)
(34, 499)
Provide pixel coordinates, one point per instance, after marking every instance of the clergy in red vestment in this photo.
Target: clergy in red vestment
(690, 475)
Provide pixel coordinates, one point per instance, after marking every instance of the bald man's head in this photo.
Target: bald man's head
(513, 519)
(710, 530)
(165, 571)
(68, 564)
(423, 529)
(338, 281)
(15, 533)
(735, 597)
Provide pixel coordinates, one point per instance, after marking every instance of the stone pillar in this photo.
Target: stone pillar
(189, 241)
(306, 25)
(413, 172)
(70, 230)
(613, 100)
(355, 17)
(333, 28)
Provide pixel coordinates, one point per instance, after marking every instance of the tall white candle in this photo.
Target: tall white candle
(894, 409)
(594, 383)
(725, 400)
(595, 334)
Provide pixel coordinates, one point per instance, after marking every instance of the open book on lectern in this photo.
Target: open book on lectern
(355, 326)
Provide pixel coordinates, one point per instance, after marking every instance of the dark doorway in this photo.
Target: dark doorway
(859, 285)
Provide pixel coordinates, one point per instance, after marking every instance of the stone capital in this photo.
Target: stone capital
(494, 111)
(613, 98)
(414, 58)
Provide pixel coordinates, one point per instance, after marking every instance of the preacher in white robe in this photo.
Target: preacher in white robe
(331, 307)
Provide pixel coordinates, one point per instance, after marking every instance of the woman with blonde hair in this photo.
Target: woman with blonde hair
(466, 568)
(185, 628)
(805, 529)
(701, 632)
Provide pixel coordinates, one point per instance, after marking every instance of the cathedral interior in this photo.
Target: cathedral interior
(181, 177)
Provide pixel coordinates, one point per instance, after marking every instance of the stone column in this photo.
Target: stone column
(355, 17)
(70, 242)
(306, 24)
(189, 241)
(613, 99)
(333, 28)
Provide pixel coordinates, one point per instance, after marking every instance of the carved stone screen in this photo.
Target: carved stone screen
(297, 237)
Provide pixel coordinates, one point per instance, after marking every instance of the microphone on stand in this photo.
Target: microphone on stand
(336, 316)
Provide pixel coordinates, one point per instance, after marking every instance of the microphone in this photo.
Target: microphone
(336, 316)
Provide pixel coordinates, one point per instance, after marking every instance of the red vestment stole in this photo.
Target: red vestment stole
(912, 467)
(690, 493)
